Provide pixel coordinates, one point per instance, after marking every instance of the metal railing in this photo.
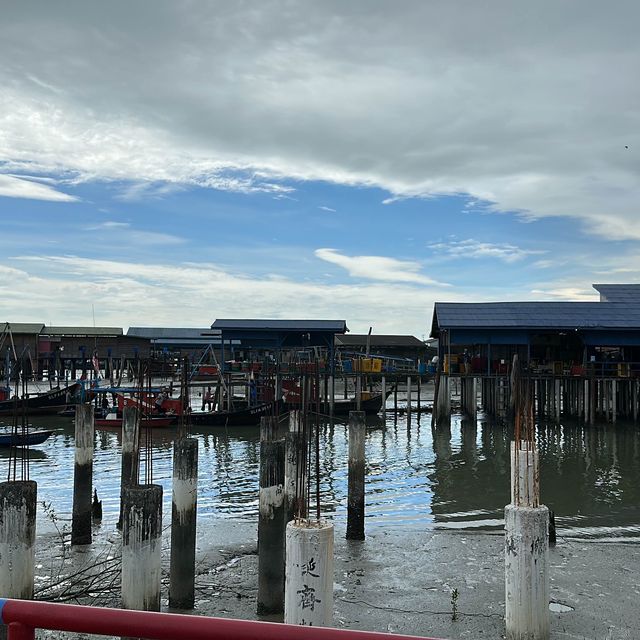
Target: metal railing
(23, 617)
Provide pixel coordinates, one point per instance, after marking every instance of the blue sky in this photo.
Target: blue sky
(314, 160)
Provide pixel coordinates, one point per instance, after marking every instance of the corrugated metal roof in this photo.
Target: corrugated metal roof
(547, 315)
(336, 326)
(82, 331)
(378, 340)
(23, 327)
(628, 293)
(173, 333)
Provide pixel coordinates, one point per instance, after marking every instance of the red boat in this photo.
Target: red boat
(113, 420)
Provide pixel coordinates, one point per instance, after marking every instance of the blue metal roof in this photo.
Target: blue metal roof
(176, 333)
(629, 293)
(536, 315)
(333, 326)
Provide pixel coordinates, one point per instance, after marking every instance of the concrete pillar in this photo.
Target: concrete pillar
(526, 577)
(130, 452)
(271, 521)
(183, 524)
(83, 475)
(614, 401)
(17, 538)
(295, 485)
(443, 403)
(141, 547)
(355, 504)
(332, 395)
(309, 575)
(526, 550)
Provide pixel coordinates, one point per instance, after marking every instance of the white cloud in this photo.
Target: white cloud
(327, 209)
(108, 225)
(475, 249)
(378, 267)
(128, 294)
(15, 187)
(508, 106)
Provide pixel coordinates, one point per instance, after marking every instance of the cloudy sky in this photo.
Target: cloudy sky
(169, 163)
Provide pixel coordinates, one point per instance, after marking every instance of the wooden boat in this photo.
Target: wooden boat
(370, 405)
(49, 402)
(27, 439)
(239, 418)
(115, 420)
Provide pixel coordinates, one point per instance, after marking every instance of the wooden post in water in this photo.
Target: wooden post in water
(419, 391)
(409, 398)
(295, 484)
(141, 547)
(130, 452)
(271, 521)
(17, 538)
(183, 524)
(332, 395)
(358, 390)
(355, 504)
(384, 397)
(83, 475)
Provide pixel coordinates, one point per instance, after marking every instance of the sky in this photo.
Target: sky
(174, 162)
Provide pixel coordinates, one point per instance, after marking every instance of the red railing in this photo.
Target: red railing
(23, 617)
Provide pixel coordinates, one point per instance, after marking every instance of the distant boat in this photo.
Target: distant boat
(239, 418)
(23, 439)
(370, 405)
(46, 403)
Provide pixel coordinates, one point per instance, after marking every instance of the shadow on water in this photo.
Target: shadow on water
(453, 477)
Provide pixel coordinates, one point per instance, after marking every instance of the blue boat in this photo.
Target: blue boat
(19, 439)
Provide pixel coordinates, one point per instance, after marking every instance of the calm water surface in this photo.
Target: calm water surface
(453, 478)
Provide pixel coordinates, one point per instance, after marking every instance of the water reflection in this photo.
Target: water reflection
(450, 477)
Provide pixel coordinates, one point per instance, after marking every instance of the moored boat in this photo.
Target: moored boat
(19, 439)
(46, 403)
(239, 418)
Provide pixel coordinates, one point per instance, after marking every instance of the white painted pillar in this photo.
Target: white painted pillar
(141, 547)
(17, 538)
(526, 550)
(309, 574)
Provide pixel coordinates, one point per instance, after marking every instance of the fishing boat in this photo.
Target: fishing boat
(19, 439)
(46, 403)
(239, 418)
(370, 404)
(115, 420)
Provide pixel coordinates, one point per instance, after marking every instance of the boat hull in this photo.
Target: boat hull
(23, 440)
(44, 404)
(371, 406)
(240, 418)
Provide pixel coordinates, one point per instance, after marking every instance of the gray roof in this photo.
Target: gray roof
(536, 315)
(335, 326)
(379, 340)
(82, 331)
(629, 293)
(173, 333)
(23, 327)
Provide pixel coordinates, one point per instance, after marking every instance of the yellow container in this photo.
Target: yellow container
(376, 365)
(623, 369)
